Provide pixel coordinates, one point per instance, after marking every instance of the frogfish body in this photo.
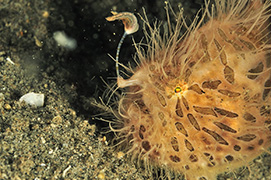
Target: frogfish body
(199, 104)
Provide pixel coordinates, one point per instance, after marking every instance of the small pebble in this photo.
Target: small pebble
(57, 120)
(7, 106)
(120, 155)
(2, 97)
(101, 175)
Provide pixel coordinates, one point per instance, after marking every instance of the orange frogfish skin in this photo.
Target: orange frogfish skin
(199, 103)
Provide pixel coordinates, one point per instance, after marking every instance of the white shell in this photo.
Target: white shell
(63, 40)
(33, 99)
